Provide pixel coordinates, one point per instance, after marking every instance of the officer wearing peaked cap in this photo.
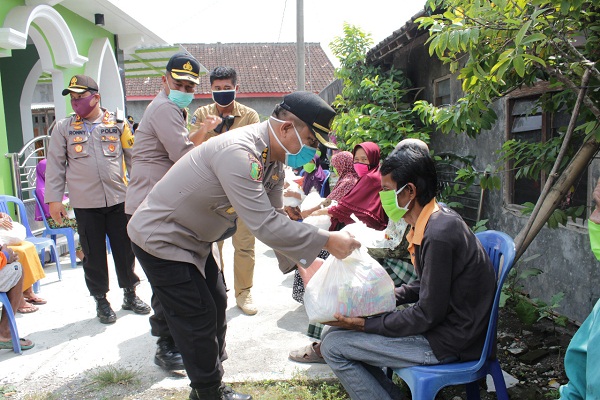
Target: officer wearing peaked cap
(161, 139)
(238, 174)
(87, 151)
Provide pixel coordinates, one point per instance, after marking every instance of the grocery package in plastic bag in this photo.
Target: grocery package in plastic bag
(14, 236)
(356, 286)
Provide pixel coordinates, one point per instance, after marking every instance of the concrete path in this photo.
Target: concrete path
(71, 342)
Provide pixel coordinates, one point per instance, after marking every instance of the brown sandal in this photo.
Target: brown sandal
(307, 354)
(36, 301)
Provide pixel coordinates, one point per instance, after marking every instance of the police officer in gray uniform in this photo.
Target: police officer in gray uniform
(161, 139)
(87, 151)
(239, 173)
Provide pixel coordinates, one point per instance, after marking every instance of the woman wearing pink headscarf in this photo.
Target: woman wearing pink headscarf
(40, 191)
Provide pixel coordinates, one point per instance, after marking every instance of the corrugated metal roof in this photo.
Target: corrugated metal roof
(151, 61)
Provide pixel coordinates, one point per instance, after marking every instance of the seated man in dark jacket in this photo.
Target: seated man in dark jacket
(452, 296)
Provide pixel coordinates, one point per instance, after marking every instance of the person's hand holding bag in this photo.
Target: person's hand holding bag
(341, 244)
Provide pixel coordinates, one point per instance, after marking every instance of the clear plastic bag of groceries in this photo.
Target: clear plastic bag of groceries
(356, 286)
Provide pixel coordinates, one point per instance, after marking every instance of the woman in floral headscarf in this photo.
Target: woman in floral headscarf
(343, 162)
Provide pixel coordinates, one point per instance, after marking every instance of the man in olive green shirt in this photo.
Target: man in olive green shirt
(223, 85)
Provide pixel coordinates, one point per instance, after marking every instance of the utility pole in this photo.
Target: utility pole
(300, 44)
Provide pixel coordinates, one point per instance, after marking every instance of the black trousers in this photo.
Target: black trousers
(194, 308)
(158, 323)
(94, 224)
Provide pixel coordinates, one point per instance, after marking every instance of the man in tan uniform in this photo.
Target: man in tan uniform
(88, 151)
(161, 139)
(223, 84)
(198, 202)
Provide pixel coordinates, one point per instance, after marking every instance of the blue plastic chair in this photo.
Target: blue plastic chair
(426, 381)
(325, 182)
(68, 232)
(14, 333)
(40, 243)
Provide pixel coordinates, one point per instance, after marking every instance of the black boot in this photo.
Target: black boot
(211, 393)
(221, 392)
(167, 355)
(132, 302)
(228, 393)
(103, 310)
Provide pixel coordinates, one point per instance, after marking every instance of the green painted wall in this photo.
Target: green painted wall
(15, 69)
(84, 33)
(5, 179)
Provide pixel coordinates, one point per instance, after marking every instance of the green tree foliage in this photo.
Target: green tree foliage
(498, 46)
(503, 45)
(375, 105)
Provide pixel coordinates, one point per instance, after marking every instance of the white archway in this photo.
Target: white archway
(104, 69)
(45, 64)
(14, 32)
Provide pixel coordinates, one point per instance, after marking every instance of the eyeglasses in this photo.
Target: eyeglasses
(226, 123)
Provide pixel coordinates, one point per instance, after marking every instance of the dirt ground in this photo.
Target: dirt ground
(71, 345)
(533, 355)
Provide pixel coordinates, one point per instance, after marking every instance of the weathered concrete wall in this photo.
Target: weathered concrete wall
(565, 256)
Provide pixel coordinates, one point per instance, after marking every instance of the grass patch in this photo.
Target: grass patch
(296, 388)
(7, 390)
(111, 375)
(41, 396)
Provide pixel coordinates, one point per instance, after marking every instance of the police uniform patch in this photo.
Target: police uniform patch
(111, 148)
(77, 139)
(256, 168)
(78, 148)
(77, 123)
(112, 138)
(107, 121)
(275, 177)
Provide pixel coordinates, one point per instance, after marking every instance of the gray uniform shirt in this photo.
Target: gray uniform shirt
(160, 140)
(89, 156)
(199, 199)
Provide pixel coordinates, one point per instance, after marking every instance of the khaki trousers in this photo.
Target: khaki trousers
(243, 258)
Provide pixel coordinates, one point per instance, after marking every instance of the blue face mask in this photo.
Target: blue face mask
(303, 156)
(180, 98)
(223, 97)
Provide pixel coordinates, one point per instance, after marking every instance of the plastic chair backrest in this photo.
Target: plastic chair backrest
(14, 332)
(40, 209)
(39, 242)
(501, 249)
(325, 182)
(68, 232)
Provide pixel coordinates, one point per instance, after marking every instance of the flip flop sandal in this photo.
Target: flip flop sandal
(307, 354)
(27, 310)
(9, 345)
(38, 301)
